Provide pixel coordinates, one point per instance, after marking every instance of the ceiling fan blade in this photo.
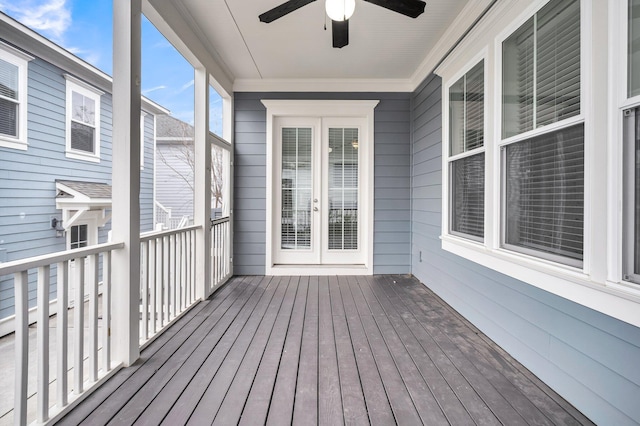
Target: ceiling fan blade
(340, 32)
(284, 9)
(410, 8)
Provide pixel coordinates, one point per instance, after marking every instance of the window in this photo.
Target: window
(83, 120)
(541, 69)
(466, 152)
(543, 171)
(79, 236)
(13, 99)
(631, 262)
(633, 63)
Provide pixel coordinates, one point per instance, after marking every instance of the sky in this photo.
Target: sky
(85, 28)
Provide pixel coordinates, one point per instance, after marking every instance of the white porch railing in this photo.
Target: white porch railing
(98, 349)
(220, 251)
(167, 284)
(79, 352)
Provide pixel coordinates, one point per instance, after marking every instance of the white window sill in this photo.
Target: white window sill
(6, 142)
(618, 300)
(79, 155)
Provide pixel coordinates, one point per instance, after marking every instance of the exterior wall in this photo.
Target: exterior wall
(146, 176)
(586, 356)
(391, 171)
(174, 178)
(27, 178)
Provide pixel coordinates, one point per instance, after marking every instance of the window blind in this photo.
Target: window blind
(82, 123)
(541, 69)
(343, 189)
(466, 111)
(467, 196)
(295, 231)
(8, 98)
(544, 194)
(82, 137)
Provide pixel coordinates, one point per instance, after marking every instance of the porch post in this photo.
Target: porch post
(202, 186)
(126, 180)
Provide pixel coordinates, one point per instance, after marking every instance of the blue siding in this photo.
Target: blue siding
(27, 178)
(589, 358)
(392, 179)
(146, 176)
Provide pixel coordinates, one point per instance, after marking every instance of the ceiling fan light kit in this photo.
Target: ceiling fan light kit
(341, 10)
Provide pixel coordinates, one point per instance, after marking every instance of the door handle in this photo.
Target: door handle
(315, 209)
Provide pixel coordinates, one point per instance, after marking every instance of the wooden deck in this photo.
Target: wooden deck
(324, 350)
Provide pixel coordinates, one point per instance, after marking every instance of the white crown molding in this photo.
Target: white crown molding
(323, 85)
(454, 32)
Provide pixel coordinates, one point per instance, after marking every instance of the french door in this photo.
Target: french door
(318, 191)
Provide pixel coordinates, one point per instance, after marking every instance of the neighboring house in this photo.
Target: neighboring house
(175, 166)
(55, 153)
(174, 171)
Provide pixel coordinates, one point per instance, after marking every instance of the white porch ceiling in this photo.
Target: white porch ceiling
(383, 45)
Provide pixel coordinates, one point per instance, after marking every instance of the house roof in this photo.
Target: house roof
(171, 128)
(25, 39)
(386, 52)
(90, 190)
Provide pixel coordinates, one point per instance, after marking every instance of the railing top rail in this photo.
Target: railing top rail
(163, 208)
(148, 236)
(220, 142)
(60, 256)
(215, 222)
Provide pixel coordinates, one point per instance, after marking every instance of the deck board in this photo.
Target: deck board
(324, 350)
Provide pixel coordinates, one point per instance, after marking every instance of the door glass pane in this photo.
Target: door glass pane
(296, 187)
(343, 189)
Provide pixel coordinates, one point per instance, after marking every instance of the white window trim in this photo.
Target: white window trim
(79, 86)
(21, 60)
(446, 147)
(589, 286)
(618, 103)
(321, 108)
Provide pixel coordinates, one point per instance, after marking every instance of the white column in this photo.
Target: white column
(202, 185)
(126, 179)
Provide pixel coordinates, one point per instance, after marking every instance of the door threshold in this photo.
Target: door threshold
(280, 270)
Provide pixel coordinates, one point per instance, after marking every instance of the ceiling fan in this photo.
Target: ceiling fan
(341, 10)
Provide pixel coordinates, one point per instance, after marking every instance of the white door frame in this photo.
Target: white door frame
(363, 109)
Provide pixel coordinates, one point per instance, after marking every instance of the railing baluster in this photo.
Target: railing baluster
(93, 318)
(165, 281)
(78, 324)
(106, 312)
(192, 272)
(43, 342)
(172, 274)
(62, 325)
(21, 280)
(152, 286)
(159, 282)
(179, 272)
(144, 289)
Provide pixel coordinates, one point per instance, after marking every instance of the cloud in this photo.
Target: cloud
(51, 17)
(186, 86)
(153, 89)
